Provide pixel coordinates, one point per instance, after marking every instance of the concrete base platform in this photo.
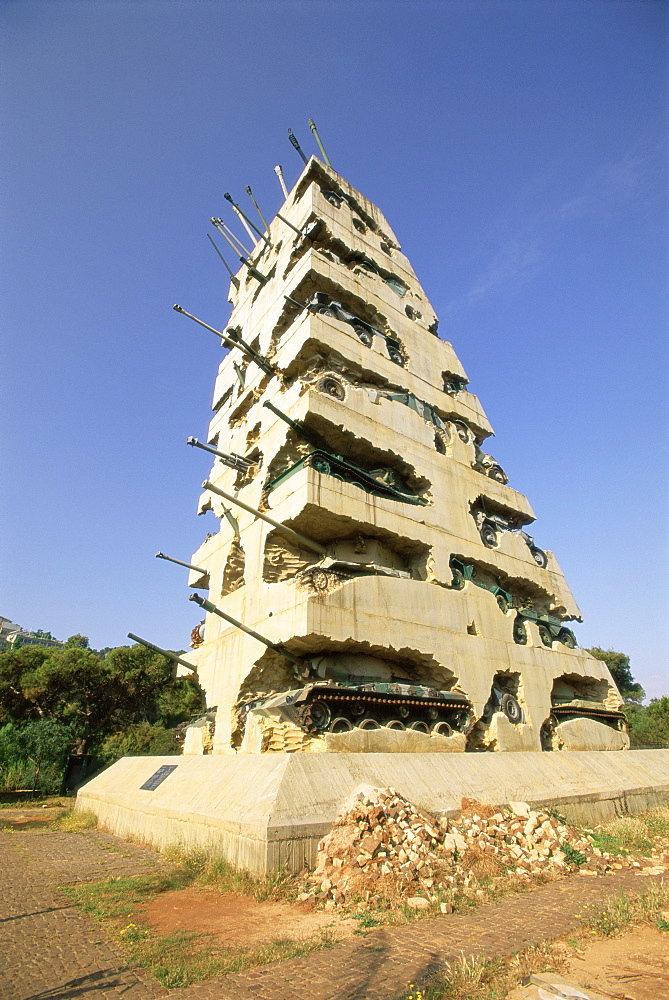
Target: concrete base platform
(268, 811)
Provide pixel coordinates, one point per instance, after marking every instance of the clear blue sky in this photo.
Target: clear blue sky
(517, 149)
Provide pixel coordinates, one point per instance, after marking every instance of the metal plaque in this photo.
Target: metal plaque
(158, 777)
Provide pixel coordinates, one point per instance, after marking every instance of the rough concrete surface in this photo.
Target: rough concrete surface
(265, 811)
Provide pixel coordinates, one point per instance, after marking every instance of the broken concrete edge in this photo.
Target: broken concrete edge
(266, 812)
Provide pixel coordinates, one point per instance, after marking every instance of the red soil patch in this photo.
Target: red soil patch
(634, 966)
(239, 921)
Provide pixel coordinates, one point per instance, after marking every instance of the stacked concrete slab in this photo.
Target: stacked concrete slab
(423, 579)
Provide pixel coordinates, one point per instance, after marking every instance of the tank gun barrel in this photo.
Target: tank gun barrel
(232, 461)
(179, 562)
(302, 540)
(231, 342)
(312, 126)
(212, 609)
(163, 652)
(244, 216)
(296, 145)
(278, 170)
(233, 278)
(220, 225)
(257, 208)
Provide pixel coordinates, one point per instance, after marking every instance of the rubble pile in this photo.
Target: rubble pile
(381, 842)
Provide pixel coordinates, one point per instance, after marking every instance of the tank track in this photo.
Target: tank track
(618, 719)
(329, 710)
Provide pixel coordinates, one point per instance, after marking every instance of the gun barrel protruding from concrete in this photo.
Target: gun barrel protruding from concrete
(312, 126)
(232, 461)
(278, 170)
(179, 562)
(231, 342)
(163, 652)
(302, 540)
(243, 215)
(296, 145)
(212, 609)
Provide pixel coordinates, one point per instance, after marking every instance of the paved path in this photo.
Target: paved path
(52, 951)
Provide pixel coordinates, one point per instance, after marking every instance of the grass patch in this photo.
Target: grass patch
(472, 978)
(181, 958)
(634, 834)
(74, 822)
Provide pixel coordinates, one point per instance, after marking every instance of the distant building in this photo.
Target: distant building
(13, 636)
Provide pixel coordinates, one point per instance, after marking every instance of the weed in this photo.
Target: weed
(625, 835)
(74, 822)
(572, 856)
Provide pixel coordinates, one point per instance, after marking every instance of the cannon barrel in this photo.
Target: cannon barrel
(231, 342)
(296, 145)
(308, 543)
(233, 278)
(289, 223)
(232, 461)
(212, 609)
(243, 215)
(245, 261)
(179, 562)
(233, 241)
(163, 652)
(298, 427)
(257, 208)
(312, 126)
(278, 170)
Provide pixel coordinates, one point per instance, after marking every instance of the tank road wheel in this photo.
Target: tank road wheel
(396, 724)
(540, 557)
(461, 720)
(357, 708)
(545, 636)
(567, 638)
(403, 711)
(497, 473)
(340, 725)
(489, 536)
(364, 336)
(320, 465)
(420, 727)
(319, 714)
(442, 729)
(432, 714)
(511, 709)
(395, 356)
(519, 632)
(502, 603)
(332, 387)
(369, 724)
(458, 581)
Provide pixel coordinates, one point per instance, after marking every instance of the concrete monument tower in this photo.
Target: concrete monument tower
(378, 558)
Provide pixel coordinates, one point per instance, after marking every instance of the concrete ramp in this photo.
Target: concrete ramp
(268, 811)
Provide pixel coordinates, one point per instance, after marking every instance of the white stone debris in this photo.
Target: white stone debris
(380, 839)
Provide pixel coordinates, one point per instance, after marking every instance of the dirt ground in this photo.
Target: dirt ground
(239, 921)
(634, 966)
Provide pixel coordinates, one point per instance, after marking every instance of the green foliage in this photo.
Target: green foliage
(78, 641)
(619, 665)
(33, 755)
(93, 698)
(139, 740)
(649, 726)
(573, 856)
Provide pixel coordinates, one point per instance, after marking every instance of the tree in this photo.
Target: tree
(649, 726)
(78, 641)
(619, 665)
(93, 697)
